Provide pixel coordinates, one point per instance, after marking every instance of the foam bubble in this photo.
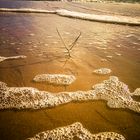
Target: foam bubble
(109, 56)
(67, 33)
(118, 46)
(115, 92)
(56, 79)
(102, 71)
(75, 130)
(118, 54)
(46, 44)
(101, 48)
(103, 60)
(32, 34)
(55, 42)
(136, 92)
(2, 58)
(12, 43)
(130, 35)
(135, 43)
(3, 85)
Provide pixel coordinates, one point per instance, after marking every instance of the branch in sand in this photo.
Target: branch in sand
(71, 46)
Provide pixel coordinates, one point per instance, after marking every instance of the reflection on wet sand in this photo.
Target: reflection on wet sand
(100, 46)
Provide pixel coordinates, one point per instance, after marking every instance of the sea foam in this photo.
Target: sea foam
(102, 71)
(84, 16)
(75, 130)
(115, 92)
(56, 79)
(2, 58)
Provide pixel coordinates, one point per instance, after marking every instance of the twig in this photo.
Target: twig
(62, 39)
(74, 42)
(70, 47)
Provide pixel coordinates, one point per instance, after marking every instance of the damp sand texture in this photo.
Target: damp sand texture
(29, 110)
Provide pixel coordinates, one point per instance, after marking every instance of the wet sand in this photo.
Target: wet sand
(35, 36)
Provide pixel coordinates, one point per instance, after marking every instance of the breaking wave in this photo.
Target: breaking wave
(26, 10)
(72, 14)
(99, 18)
(115, 92)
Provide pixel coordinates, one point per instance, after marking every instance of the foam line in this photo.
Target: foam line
(75, 130)
(84, 16)
(115, 92)
(2, 58)
(55, 79)
(99, 18)
(26, 10)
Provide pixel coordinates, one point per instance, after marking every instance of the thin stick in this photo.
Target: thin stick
(74, 42)
(62, 39)
(70, 47)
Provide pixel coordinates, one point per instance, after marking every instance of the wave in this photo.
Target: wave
(99, 18)
(75, 130)
(115, 92)
(84, 16)
(26, 10)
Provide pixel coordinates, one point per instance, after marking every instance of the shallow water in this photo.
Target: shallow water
(35, 36)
